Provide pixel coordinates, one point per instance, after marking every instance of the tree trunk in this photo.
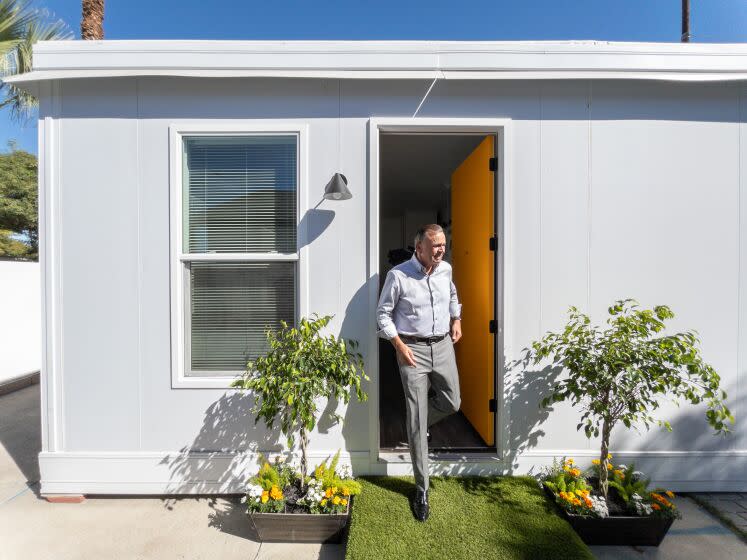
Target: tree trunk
(92, 23)
(603, 460)
(304, 463)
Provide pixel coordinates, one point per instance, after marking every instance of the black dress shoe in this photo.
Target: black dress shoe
(420, 505)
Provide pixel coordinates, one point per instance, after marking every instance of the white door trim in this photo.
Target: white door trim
(502, 129)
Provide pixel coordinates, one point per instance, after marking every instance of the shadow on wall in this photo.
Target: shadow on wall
(525, 388)
(217, 458)
(690, 433)
(355, 424)
(314, 223)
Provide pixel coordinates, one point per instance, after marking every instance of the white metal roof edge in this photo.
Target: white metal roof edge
(54, 60)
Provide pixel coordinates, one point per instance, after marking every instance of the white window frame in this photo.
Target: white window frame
(179, 258)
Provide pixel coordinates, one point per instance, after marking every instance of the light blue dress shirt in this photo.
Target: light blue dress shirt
(415, 303)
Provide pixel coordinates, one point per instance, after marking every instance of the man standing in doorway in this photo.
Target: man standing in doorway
(420, 314)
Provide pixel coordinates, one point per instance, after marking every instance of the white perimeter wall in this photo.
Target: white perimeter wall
(619, 189)
(20, 319)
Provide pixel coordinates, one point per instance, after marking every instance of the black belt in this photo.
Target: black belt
(427, 339)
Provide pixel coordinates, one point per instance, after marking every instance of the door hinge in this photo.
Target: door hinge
(493, 405)
(493, 165)
(494, 243)
(493, 326)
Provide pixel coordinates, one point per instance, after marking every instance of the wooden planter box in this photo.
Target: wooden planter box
(300, 527)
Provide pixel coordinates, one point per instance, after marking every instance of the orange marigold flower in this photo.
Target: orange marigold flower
(656, 506)
(345, 492)
(609, 456)
(609, 466)
(265, 496)
(329, 492)
(618, 472)
(569, 461)
(276, 493)
(574, 472)
(669, 493)
(336, 500)
(588, 502)
(595, 461)
(344, 502)
(323, 502)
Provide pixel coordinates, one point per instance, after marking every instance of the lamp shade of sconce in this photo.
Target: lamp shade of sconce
(337, 188)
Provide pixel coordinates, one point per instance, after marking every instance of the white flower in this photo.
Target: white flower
(254, 490)
(344, 471)
(636, 498)
(599, 506)
(243, 499)
(642, 509)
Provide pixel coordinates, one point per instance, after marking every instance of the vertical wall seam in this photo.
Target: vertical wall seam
(339, 170)
(740, 237)
(589, 169)
(539, 221)
(57, 182)
(138, 186)
(589, 184)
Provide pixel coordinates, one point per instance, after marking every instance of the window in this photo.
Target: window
(237, 249)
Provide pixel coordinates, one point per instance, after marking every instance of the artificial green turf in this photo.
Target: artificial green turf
(471, 518)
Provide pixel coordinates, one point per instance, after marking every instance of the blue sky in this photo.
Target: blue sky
(712, 21)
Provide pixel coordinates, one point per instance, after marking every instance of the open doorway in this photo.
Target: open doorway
(448, 179)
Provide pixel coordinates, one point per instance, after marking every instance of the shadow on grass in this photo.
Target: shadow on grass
(397, 485)
(503, 490)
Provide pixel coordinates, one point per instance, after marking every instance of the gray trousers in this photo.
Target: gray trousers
(431, 393)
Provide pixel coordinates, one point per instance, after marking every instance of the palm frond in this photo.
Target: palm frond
(20, 59)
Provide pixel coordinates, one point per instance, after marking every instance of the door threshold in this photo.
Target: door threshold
(451, 455)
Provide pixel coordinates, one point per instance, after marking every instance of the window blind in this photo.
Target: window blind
(240, 194)
(231, 306)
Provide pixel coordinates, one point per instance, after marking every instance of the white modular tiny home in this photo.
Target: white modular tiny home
(181, 209)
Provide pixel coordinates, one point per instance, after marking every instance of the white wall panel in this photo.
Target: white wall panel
(564, 244)
(738, 398)
(637, 195)
(99, 261)
(665, 222)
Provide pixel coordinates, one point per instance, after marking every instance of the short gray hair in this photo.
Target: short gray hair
(429, 228)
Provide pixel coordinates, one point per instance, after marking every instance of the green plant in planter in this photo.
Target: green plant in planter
(301, 367)
(623, 373)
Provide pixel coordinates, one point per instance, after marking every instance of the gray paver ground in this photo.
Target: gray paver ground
(697, 536)
(114, 528)
(732, 505)
(197, 528)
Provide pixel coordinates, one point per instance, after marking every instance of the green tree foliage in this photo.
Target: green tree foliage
(623, 373)
(18, 205)
(301, 367)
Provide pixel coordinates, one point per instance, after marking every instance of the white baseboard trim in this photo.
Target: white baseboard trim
(178, 472)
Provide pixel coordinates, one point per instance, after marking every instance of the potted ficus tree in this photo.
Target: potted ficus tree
(621, 375)
(301, 368)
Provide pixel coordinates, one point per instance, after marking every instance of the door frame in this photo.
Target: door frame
(501, 128)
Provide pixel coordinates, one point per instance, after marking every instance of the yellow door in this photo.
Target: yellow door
(473, 263)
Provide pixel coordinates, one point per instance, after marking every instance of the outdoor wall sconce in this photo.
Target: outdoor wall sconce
(337, 188)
